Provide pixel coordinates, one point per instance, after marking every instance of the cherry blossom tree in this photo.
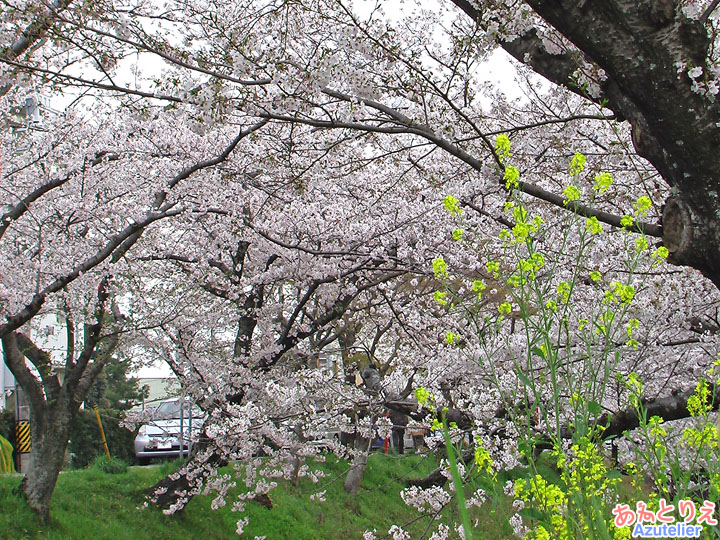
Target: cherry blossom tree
(262, 289)
(66, 227)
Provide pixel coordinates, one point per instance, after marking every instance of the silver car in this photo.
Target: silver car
(161, 437)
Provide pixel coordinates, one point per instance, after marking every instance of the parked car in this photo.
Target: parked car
(326, 439)
(161, 437)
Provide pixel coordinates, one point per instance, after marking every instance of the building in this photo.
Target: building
(30, 115)
(157, 389)
(7, 385)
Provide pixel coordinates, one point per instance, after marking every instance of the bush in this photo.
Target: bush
(110, 466)
(6, 456)
(85, 441)
(7, 431)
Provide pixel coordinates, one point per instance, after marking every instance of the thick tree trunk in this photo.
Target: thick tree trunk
(640, 45)
(173, 492)
(437, 478)
(359, 464)
(49, 437)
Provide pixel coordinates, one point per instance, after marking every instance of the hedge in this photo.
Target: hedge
(6, 456)
(86, 443)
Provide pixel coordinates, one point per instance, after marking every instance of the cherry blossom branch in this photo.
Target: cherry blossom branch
(101, 355)
(184, 174)
(140, 45)
(540, 123)
(314, 285)
(309, 251)
(38, 300)
(101, 348)
(34, 32)
(180, 261)
(412, 128)
(669, 408)
(92, 335)
(15, 212)
(93, 84)
(548, 196)
(337, 124)
(287, 340)
(502, 220)
(222, 156)
(649, 229)
(41, 360)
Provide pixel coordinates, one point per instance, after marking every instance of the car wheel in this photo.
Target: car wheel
(143, 461)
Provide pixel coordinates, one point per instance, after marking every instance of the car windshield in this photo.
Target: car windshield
(171, 409)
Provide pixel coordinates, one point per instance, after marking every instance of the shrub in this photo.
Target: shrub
(112, 465)
(6, 456)
(86, 443)
(7, 431)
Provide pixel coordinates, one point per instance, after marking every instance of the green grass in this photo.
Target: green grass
(93, 505)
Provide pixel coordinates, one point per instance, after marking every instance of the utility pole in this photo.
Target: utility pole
(23, 442)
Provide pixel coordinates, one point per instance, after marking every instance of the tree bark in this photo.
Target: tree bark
(638, 44)
(49, 430)
(353, 481)
(173, 492)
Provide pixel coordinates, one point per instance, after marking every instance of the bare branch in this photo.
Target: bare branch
(41, 360)
(706, 14)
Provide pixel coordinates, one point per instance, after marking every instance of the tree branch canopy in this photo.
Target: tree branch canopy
(645, 49)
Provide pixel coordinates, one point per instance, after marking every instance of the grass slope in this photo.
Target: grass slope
(91, 504)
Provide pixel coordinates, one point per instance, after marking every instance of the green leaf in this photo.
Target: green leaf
(525, 449)
(594, 408)
(525, 379)
(534, 514)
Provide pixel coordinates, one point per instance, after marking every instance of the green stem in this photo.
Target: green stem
(457, 480)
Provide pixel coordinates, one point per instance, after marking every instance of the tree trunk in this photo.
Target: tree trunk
(297, 463)
(640, 45)
(359, 464)
(173, 492)
(49, 437)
